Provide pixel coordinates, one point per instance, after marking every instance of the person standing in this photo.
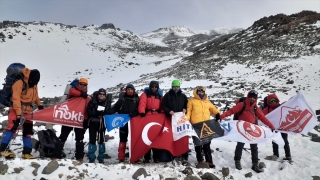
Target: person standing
(175, 101)
(23, 100)
(251, 113)
(79, 91)
(128, 104)
(150, 103)
(199, 109)
(273, 103)
(97, 108)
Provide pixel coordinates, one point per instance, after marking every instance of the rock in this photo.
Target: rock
(248, 175)
(123, 167)
(85, 171)
(42, 178)
(191, 178)
(318, 112)
(187, 171)
(202, 165)
(315, 177)
(51, 167)
(271, 158)
(18, 170)
(225, 171)
(81, 175)
(209, 176)
(290, 82)
(60, 175)
(107, 26)
(3, 168)
(35, 172)
(161, 176)
(171, 179)
(139, 172)
(106, 156)
(262, 165)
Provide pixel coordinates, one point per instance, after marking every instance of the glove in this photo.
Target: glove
(100, 113)
(273, 130)
(142, 114)
(40, 107)
(218, 117)
(16, 124)
(84, 95)
(85, 124)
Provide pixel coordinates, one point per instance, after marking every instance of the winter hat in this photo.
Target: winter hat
(154, 82)
(130, 86)
(102, 90)
(83, 81)
(175, 83)
(34, 77)
(253, 94)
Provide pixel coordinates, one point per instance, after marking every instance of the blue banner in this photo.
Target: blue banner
(115, 121)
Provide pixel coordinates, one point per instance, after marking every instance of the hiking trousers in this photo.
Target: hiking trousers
(254, 152)
(96, 129)
(79, 133)
(123, 133)
(275, 146)
(206, 150)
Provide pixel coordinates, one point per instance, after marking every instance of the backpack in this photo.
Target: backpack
(237, 115)
(14, 73)
(73, 84)
(265, 103)
(49, 145)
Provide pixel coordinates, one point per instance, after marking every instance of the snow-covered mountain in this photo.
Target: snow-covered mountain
(169, 31)
(221, 31)
(277, 54)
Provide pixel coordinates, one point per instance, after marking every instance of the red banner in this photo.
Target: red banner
(154, 131)
(69, 113)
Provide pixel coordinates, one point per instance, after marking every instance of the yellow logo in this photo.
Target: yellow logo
(206, 131)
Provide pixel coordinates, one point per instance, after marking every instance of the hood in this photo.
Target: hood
(248, 101)
(270, 97)
(197, 96)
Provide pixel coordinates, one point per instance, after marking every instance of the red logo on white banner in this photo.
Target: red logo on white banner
(250, 131)
(294, 119)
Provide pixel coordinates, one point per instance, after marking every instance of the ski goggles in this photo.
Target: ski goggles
(201, 88)
(273, 100)
(83, 85)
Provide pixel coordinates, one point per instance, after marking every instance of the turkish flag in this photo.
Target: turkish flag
(154, 131)
(69, 113)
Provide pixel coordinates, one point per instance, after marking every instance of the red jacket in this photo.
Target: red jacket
(248, 113)
(75, 92)
(149, 103)
(270, 107)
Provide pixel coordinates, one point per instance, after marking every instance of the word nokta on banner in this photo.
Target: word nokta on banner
(181, 126)
(115, 121)
(68, 113)
(294, 116)
(206, 131)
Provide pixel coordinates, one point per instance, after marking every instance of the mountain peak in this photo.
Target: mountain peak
(170, 31)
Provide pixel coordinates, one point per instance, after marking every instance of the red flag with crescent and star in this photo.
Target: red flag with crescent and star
(154, 131)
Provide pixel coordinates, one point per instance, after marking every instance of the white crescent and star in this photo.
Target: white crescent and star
(145, 131)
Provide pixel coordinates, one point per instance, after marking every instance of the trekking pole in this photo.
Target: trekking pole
(22, 120)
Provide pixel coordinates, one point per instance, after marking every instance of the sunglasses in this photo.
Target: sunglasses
(154, 86)
(84, 85)
(102, 94)
(175, 86)
(201, 88)
(272, 100)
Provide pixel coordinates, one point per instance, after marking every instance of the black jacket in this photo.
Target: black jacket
(175, 102)
(93, 105)
(127, 105)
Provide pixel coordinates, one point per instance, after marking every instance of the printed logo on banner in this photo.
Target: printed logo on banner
(116, 121)
(294, 119)
(206, 131)
(61, 111)
(182, 119)
(250, 131)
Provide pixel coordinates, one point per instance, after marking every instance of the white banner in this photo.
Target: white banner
(294, 116)
(181, 126)
(242, 131)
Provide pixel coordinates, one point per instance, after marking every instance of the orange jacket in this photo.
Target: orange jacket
(198, 110)
(28, 96)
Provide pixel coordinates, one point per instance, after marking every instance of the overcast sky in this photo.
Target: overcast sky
(142, 16)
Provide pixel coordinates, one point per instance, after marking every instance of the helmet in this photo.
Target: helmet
(175, 83)
(83, 81)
